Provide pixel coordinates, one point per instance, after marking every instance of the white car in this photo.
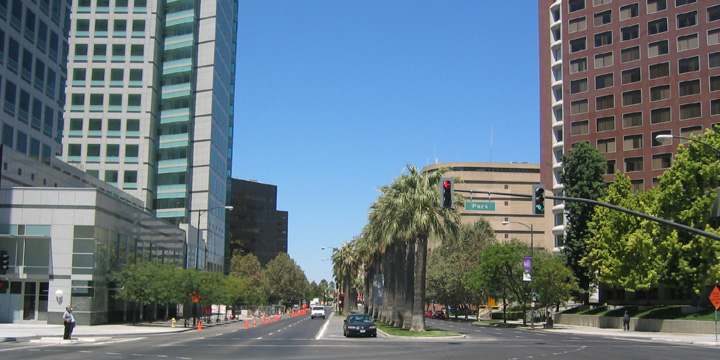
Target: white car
(317, 311)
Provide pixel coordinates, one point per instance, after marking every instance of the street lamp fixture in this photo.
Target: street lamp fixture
(532, 286)
(197, 243)
(663, 137)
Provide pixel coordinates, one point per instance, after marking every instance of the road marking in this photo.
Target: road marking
(322, 331)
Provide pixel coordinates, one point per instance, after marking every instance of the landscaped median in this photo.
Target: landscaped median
(428, 333)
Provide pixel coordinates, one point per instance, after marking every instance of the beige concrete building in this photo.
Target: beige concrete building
(496, 208)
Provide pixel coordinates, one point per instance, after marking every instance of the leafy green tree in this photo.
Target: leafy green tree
(622, 251)
(583, 170)
(136, 284)
(248, 267)
(688, 192)
(500, 272)
(450, 264)
(553, 281)
(284, 280)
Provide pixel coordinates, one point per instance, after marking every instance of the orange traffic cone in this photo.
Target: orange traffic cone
(247, 324)
(254, 322)
(199, 325)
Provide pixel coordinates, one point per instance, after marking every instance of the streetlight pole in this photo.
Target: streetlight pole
(197, 243)
(532, 286)
(663, 137)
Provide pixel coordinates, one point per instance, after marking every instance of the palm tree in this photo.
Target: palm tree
(409, 213)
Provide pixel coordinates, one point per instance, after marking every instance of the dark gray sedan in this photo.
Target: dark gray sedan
(358, 324)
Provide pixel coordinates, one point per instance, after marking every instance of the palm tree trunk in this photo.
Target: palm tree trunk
(346, 288)
(418, 319)
(408, 289)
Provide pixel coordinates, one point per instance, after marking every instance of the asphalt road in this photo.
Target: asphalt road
(303, 338)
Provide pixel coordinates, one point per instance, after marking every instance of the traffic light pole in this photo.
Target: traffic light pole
(610, 206)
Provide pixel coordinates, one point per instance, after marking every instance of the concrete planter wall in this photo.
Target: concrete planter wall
(650, 325)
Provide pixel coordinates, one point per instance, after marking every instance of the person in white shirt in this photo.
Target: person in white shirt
(69, 322)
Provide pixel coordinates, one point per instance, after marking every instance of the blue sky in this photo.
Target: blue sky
(334, 98)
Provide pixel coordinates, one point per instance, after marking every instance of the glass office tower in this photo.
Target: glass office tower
(150, 108)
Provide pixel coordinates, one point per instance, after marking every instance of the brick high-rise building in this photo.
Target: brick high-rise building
(617, 73)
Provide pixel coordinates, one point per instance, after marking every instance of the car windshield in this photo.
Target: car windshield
(318, 308)
(360, 319)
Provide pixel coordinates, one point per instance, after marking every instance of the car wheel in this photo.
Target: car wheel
(374, 335)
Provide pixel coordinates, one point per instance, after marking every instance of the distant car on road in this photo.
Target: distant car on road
(428, 313)
(359, 324)
(438, 315)
(317, 311)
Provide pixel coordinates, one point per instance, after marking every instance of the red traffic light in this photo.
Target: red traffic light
(447, 184)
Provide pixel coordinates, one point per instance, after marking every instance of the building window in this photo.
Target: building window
(661, 161)
(657, 26)
(74, 150)
(658, 48)
(687, 19)
(654, 135)
(601, 2)
(605, 146)
(690, 87)
(579, 44)
(688, 65)
(661, 92)
(715, 107)
(602, 18)
(658, 116)
(690, 131)
(579, 128)
(690, 111)
(111, 176)
(632, 120)
(679, 3)
(715, 83)
(578, 65)
(604, 81)
(654, 6)
(579, 107)
(603, 60)
(630, 32)
(577, 24)
(633, 142)
(576, 5)
(659, 70)
(604, 102)
(93, 150)
(630, 54)
(713, 36)
(687, 42)
(112, 150)
(631, 76)
(605, 123)
(714, 60)
(628, 11)
(633, 164)
(633, 97)
(603, 38)
(611, 167)
(713, 13)
(578, 86)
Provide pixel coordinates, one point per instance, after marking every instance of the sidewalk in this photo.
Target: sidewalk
(49, 334)
(694, 339)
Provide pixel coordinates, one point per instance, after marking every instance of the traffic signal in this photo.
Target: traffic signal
(4, 261)
(538, 199)
(447, 192)
(4, 284)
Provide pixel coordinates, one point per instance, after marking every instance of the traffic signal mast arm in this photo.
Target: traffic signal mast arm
(610, 206)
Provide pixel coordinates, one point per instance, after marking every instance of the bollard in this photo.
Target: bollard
(173, 322)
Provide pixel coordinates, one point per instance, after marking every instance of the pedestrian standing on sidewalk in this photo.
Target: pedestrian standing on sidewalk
(69, 322)
(626, 321)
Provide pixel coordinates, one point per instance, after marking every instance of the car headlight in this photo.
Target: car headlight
(372, 327)
(352, 327)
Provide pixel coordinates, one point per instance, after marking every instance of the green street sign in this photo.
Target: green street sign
(479, 206)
